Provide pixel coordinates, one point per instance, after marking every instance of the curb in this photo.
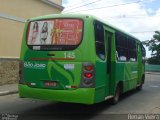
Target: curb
(153, 73)
(8, 92)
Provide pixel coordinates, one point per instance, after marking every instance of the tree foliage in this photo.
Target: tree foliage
(154, 46)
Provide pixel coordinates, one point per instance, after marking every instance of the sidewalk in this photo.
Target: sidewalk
(8, 89)
(154, 73)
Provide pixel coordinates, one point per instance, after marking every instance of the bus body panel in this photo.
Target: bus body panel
(64, 69)
(81, 95)
(127, 72)
(56, 75)
(101, 82)
(63, 74)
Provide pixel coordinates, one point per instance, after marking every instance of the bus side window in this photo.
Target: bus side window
(99, 39)
(143, 54)
(121, 47)
(126, 48)
(132, 56)
(117, 56)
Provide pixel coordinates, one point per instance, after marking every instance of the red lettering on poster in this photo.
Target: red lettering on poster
(67, 32)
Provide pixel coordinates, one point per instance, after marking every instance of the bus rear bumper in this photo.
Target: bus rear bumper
(81, 95)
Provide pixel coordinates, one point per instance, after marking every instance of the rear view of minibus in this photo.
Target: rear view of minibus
(57, 59)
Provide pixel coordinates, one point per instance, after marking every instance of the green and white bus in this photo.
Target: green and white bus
(78, 58)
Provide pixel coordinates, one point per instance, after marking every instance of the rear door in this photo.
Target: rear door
(110, 58)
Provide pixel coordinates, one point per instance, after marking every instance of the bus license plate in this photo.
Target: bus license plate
(50, 84)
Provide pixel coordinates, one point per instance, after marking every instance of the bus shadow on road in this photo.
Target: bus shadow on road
(69, 111)
(66, 111)
(129, 94)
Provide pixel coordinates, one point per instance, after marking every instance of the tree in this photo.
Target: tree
(154, 46)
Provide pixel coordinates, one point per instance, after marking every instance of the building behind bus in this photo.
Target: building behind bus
(13, 15)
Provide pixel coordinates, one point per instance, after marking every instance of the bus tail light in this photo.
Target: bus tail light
(88, 75)
(88, 67)
(21, 72)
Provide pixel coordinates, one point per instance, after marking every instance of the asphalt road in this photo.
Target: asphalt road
(146, 101)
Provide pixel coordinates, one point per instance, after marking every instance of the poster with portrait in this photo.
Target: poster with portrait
(40, 32)
(55, 32)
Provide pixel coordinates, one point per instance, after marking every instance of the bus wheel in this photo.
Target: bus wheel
(140, 86)
(115, 99)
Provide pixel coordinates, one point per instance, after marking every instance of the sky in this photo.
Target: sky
(140, 18)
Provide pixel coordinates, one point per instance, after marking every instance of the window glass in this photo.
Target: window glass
(121, 40)
(143, 53)
(121, 47)
(99, 39)
(55, 32)
(121, 54)
(131, 44)
(132, 56)
(125, 48)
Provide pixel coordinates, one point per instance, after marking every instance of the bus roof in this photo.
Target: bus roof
(50, 16)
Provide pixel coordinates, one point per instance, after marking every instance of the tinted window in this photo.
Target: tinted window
(54, 34)
(132, 56)
(99, 39)
(143, 53)
(125, 48)
(121, 47)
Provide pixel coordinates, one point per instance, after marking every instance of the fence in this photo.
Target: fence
(152, 68)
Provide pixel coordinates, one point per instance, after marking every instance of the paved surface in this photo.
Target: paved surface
(8, 89)
(146, 101)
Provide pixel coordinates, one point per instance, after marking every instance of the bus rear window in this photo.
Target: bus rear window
(56, 34)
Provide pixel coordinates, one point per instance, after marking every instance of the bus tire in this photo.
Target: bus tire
(141, 84)
(116, 97)
(140, 87)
